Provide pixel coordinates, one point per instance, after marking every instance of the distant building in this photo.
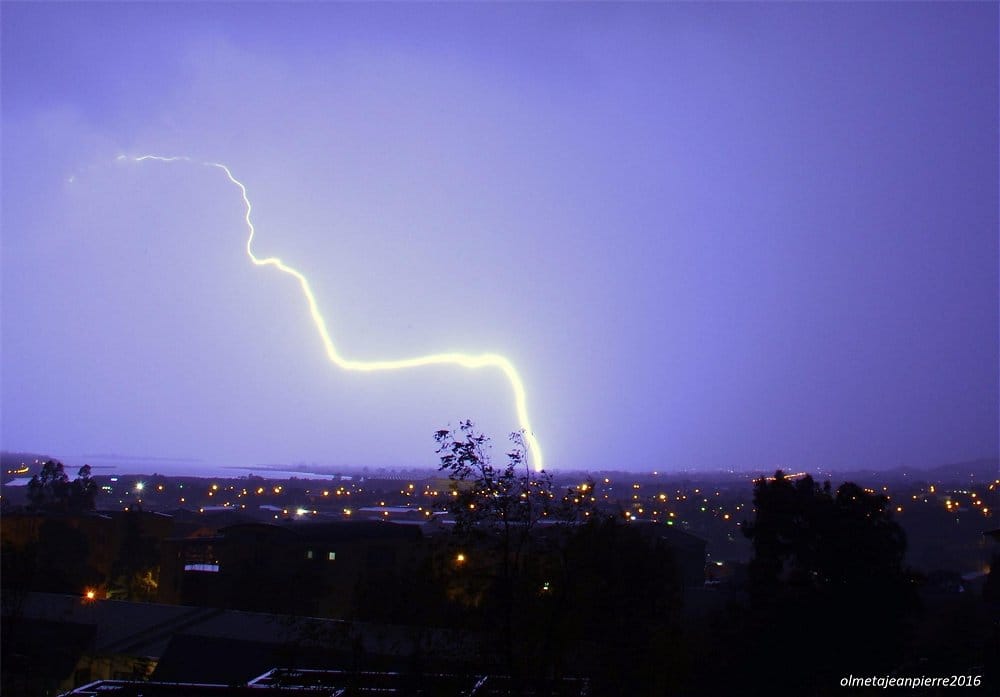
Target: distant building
(104, 532)
(301, 568)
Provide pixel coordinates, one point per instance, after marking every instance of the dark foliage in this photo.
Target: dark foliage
(991, 589)
(616, 606)
(561, 589)
(52, 491)
(135, 572)
(56, 563)
(827, 580)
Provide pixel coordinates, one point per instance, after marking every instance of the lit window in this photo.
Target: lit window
(309, 554)
(331, 556)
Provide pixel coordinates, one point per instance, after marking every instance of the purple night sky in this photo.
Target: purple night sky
(707, 235)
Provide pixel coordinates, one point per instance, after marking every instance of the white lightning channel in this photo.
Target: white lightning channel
(483, 360)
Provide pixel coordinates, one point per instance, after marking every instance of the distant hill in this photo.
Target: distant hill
(986, 470)
(10, 460)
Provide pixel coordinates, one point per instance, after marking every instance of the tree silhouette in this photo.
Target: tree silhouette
(509, 522)
(507, 501)
(51, 490)
(83, 491)
(827, 578)
(135, 572)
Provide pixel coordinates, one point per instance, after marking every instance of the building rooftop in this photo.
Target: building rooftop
(333, 683)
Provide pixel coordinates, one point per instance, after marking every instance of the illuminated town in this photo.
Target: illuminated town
(329, 537)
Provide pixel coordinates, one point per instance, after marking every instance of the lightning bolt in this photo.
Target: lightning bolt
(483, 360)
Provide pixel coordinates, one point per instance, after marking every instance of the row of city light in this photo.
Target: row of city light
(640, 502)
